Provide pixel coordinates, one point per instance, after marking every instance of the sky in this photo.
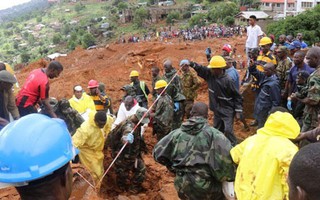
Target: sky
(9, 3)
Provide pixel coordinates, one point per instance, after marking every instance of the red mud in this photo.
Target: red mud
(112, 64)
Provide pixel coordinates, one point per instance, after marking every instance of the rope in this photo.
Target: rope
(145, 114)
(86, 180)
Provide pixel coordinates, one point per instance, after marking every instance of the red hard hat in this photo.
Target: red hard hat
(93, 84)
(227, 48)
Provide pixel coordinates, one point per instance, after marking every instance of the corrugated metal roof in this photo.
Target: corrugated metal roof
(258, 14)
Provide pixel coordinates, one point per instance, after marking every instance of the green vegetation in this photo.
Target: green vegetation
(306, 23)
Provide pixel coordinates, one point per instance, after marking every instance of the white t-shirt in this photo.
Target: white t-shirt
(123, 113)
(253, 32)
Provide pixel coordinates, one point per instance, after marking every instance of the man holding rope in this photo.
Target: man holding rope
(130, 160)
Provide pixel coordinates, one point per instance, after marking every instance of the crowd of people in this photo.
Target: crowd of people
(209, 162)
(191, 34)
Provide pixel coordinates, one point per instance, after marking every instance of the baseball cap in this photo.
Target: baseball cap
(295, 45)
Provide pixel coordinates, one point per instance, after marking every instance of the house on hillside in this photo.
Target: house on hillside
(277, 6)
(303, 5)
(244, 16)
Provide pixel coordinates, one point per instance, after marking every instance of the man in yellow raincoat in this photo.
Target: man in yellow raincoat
(263, 159)
(90, 139)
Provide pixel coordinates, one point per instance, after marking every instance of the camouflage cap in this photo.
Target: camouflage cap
(142, 112)
(7, 77)
(303, 74)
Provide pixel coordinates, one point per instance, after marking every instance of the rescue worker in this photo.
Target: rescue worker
(264, 57)
(269, 91)
(127, 108)
(71, 117)
(90, 139)
(226, 50)
(35, 156)
(102, 89)
(284, 65)
(263, 159)
(312, 98)
(208, 53)
(7, 101)
(128, 90)
(301, 83)
(232, 72)
(101, 102)
(174, 90)
(224, 98)
(155, 77)
(36, 90)
(163, 111)
(304, 173)
(190, 86)
(81, 102)
(130, 160)
(198, 155)
(142, 90)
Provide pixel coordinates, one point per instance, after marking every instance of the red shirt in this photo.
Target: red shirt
(36, 87)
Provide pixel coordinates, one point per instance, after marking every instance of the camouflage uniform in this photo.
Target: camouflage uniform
(310, 120)
(130, 160)
(199, 156)
(163, 116)
(282, 73)
(154, 92)
(190, 85)
(175, 92)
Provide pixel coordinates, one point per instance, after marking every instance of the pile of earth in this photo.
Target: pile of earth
(111, 65)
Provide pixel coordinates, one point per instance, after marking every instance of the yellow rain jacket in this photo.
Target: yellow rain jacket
(83, 104)
(90, 139)
(263, 159)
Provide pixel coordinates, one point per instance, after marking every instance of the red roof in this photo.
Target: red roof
(277, 1)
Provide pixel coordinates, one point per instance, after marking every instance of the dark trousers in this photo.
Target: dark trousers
(225, 125)
(27, 110)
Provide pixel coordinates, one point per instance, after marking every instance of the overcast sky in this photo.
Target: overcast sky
(9, 3)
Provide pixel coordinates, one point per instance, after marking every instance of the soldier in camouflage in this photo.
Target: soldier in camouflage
(312, 97)
(284, 65)
(190, 86)
(199, 156)
(163, 112)
(130, 160)
(174, 90)
(155, 77)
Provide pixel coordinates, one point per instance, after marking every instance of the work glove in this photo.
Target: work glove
(289, 105)
(128, 138)
(176, 106)
(228, 190)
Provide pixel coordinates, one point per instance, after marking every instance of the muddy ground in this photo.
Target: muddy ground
(112, 64)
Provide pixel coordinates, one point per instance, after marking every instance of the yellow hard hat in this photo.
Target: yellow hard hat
(217, 62)
(134, 73)
(265, 40)
(160, 84)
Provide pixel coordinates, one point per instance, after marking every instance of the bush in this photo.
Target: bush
(228, 21)
(39, 19)
(25, 57)
(172, 17)
(78, 7)
(87, 40)
(221, 10)
(306, 23)
(199, 19)
(57, 38)
(140, 15)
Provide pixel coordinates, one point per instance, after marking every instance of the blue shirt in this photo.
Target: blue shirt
(234, 75)
(294, 72)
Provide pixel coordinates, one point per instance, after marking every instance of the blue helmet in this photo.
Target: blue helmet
(34, 147)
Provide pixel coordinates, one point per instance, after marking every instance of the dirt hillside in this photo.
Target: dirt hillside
(112, 64)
